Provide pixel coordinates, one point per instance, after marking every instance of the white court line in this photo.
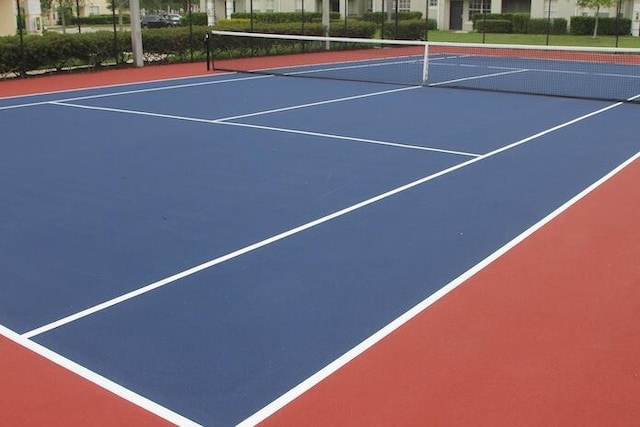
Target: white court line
(129, 92)
(484, 76)
(544, 70)
(299, 132)
(331, 368)
(98, 379)
(585, 73)
(349, 67)
(313, 104)
(155, 285)
(352, 139)
(133, 112)
(143, 82)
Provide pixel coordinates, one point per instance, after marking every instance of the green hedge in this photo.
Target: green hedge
(337, 29)
(494, 26)
(413, 29)
(539, 26)
(9, 55)
(380, 17)
(98, 20)
(282, 17)
(55, 52)
(583, 25)
(198, 18)
(519, 23)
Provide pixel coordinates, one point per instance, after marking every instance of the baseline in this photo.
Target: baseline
(127, 92)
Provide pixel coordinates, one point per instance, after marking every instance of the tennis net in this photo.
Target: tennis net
(381, 61)
(608, 74)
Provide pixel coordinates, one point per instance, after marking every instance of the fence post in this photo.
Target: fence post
(190, 29)
(23, 71)
(78, 16)
(251, 15)
(115, 31)
(617, 29)
(548, 21)
(426, 19)
(395, 35)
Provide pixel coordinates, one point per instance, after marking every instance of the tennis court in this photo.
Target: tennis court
(244, 248)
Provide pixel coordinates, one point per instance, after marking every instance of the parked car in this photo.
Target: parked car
(173, 18)
(155, 21)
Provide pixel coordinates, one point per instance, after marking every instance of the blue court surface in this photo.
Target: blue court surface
(210, 243)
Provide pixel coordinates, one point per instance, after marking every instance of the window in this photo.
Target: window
(403, 5)
(433, 3)
(270, 5)
(479, 6)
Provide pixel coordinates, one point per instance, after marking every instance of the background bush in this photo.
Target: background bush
(539, 26)
(380, 17)
(56, 52)
(519, 23)
(583, 25)
(197, 18)
(282, 17)
(97, 20)
(413, 29)
(494, 26)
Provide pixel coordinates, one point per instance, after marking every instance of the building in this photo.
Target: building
(30, 11)
(449, 14)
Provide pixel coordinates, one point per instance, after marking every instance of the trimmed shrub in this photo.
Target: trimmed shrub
(413, 29)
(99, 20)
(354, 29)
(197, 18)
(55, 52)
(380, 17)
(282, 17)
(539, 26)
(520, 23)
(583, 25)
(9, 55)
(607, 26)
(494, 26)
(478, 17)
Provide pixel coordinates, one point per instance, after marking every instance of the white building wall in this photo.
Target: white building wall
(31, 15)
(7, 18)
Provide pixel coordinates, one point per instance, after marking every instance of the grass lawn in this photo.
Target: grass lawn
(534, 39)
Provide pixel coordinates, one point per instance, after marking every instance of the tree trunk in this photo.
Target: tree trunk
(63, 19)
(595, 26)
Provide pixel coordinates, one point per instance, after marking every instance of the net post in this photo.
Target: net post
(425, 64)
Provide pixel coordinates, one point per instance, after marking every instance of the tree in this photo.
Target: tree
(595, 4)
(121, 6)
(64, 13)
